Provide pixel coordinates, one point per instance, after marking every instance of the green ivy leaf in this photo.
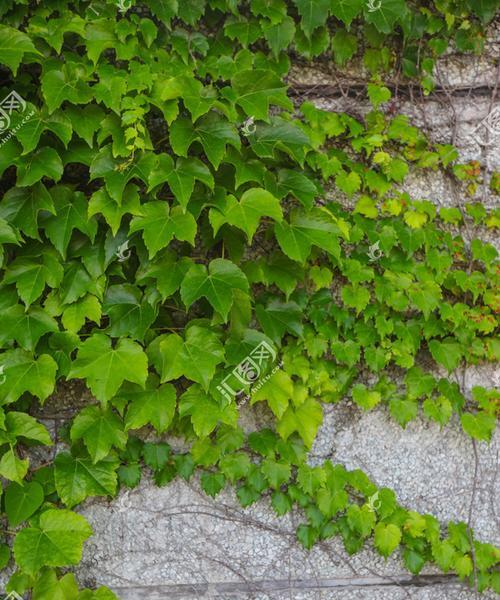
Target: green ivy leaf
(20, 424)
(30, 130)
(277, 391)
(281, 503)
(128, 311)
(439, 409)
(447, 353)
(211, 131)
(181, 176)
(56, 541)
(78, 478)
(21, 207)
(314, 14)
(280, 135)
(205, 412)
(26, 327)
(305, 420)
(47, 585)
(347, 10)
(154, 405)
(403, 411)
(31, 275)
(21, 501)
(256, 89)
(212, 483)
(387, 538)
(196, 357)
(378, 94)
(247, 212)
(102, 202)
(44, 162)
(361, 519)
(297, 237)
(355, 296)
(277, 318)
(386, 15)
(105, 368)
(156, 455)
(366, 399)
(70, 213)
(480, 426)
(168, 270)
(344, 46)
(277, 473)
(12, 467)
(159, 225)
(279, 35)
(100, 430)
(216, 285)
(235, 466)
(23, 373)
(13, 45)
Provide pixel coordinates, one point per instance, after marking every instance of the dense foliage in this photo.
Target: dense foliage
(175, 232)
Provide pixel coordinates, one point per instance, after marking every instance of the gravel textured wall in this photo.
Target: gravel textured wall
(175, 543)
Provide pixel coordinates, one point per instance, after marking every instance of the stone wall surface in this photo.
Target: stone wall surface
(176, 543)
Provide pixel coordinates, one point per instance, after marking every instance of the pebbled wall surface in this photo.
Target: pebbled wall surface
(176, 543)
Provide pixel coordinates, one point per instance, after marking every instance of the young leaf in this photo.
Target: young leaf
(387, 538)
(12, 467)
(480, 426)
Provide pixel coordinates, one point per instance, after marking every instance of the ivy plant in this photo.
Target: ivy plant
(182, 235)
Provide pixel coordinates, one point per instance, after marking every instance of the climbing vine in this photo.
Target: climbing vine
(181, 234)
